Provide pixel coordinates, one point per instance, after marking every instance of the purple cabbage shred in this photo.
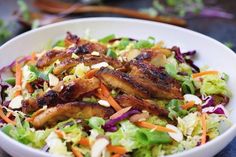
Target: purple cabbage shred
(110, 125)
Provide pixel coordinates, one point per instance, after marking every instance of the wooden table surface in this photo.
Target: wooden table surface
(223, 30)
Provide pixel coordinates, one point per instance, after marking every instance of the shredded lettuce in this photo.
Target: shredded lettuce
(213, 84)
(80, 70)
(26, 135)
(142, 152)
(175, 110)
(188, 123)
(57, 146)
(188, 87)
(72, 130)
(125, 136)
(132, 137)
(96, 123)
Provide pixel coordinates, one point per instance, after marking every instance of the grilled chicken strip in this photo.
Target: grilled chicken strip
(69, 92)
(153, 57)
(50, 57)
(79, 49)
(88, 60)
(155, 80)
(85, 45)
(128, 100)
(123, 81)
(61, 112)
(144, 81)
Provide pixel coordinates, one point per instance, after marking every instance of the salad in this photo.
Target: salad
(112, 97)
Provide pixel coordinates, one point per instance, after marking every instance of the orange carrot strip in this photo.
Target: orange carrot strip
(100, 96)
(188, 105)
(104, 90)
(113, 103)
(203, 120)
(91, 73)
(152, 126)
(84, 141)
(76, 152)
(116, 149)
(105, 95)
(116, 155)
(18, 78)
(29, 88)
(120, 112)
(204, 73)
(60, 133)
(33, 56)
(5, 118)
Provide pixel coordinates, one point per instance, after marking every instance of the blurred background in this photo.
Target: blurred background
(215, 18)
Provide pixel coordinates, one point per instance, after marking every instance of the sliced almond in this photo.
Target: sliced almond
(99, 145)
(177, 135)
(120, 112)
(16, 102)
(191, 97)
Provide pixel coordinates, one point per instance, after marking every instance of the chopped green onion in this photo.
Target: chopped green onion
(59, 43)
(111, 53)
(145, 43)
(147, 137)
(123, 44)
(11, 80)
(106, 39)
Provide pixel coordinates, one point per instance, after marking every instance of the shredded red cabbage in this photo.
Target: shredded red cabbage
(219, 109)
(209, 101)
(3, 87)
(110, 125)
(118, 39)
(189, 53)
(178, 54)
(182, 57)
(194, 67)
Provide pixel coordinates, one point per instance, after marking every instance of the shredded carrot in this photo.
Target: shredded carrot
(105, 95)
(188, 105)
(116, 155)
(5, 118)
(29, 88)
(91, 73)
(84, 141)
(113, 103)
(204, 73)
(100, 96)
(60, 133)
(104, 90)
(18, 77)
(203, 119)
(116, 149)
(152, 126)
(33, 56)
(76, 152)
(120, 112)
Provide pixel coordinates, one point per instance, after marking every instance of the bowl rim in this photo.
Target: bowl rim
(228, 132)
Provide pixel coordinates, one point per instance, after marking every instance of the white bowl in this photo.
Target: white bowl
(210, 52)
